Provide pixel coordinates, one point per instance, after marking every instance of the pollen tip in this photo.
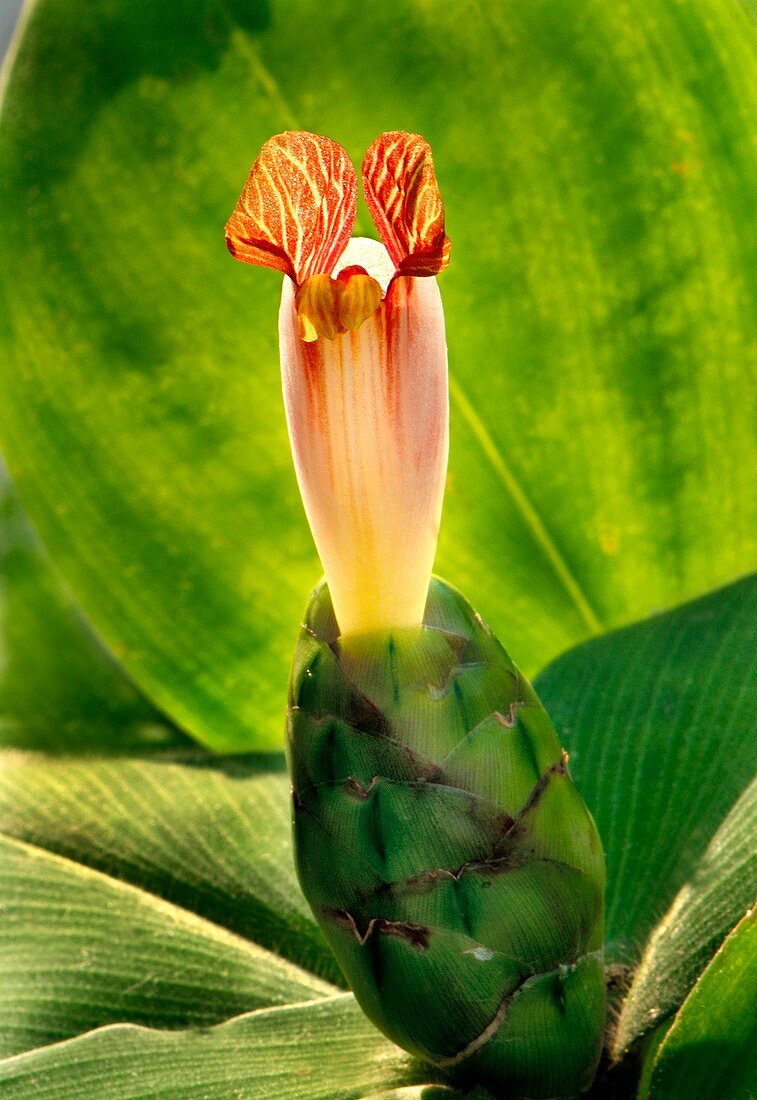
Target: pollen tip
(346, 273)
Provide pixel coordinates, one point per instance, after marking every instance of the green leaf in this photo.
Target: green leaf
(207, 834)
(709, 1051)
(651, 1046)
(81, 949)
(664, 708)
(59, 689)
(598, 172)
(750, 7)
(187, 847)
(326, 1050)
(658, 719)
(705, 909)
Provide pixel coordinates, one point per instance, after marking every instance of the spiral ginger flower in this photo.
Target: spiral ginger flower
(446, 854)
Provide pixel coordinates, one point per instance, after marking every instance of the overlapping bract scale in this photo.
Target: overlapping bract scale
(451, 863)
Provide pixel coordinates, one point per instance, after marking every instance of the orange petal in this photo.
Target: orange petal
(297, 209)
(405, 203)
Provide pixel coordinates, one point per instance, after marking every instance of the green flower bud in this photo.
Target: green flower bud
(450, 861)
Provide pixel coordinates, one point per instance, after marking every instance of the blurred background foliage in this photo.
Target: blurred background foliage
(599, 171)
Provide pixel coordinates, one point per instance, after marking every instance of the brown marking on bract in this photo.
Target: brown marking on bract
(419, 883)
(417, 935)
(505, 823)
(497, 865)
(355, 788)
(435, 774)
(510, 719)
(365, 717)
(484, 868)
(558, 768)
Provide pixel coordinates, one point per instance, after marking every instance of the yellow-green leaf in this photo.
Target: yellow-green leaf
(598, 172)
(326, 1050)
(709, 1051)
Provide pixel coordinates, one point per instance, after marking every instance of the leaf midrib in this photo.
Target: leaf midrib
(526, 509)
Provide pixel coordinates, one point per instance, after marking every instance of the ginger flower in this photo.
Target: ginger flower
(363, 359)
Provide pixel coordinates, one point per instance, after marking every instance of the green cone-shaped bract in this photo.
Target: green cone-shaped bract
(446, 854)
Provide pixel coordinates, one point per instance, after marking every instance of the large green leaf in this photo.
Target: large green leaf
(209, 835)
(599, 176)
(723, 886)
(709, 1051)
(323, 1051)
(82, 949)
(58, 687)
(660, 711)
(659, 721)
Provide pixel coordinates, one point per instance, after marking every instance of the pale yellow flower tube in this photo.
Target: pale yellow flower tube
(368, 422)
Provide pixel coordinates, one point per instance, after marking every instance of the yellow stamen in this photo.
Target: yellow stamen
(359, 296)
(317, 309)
(329, 307)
